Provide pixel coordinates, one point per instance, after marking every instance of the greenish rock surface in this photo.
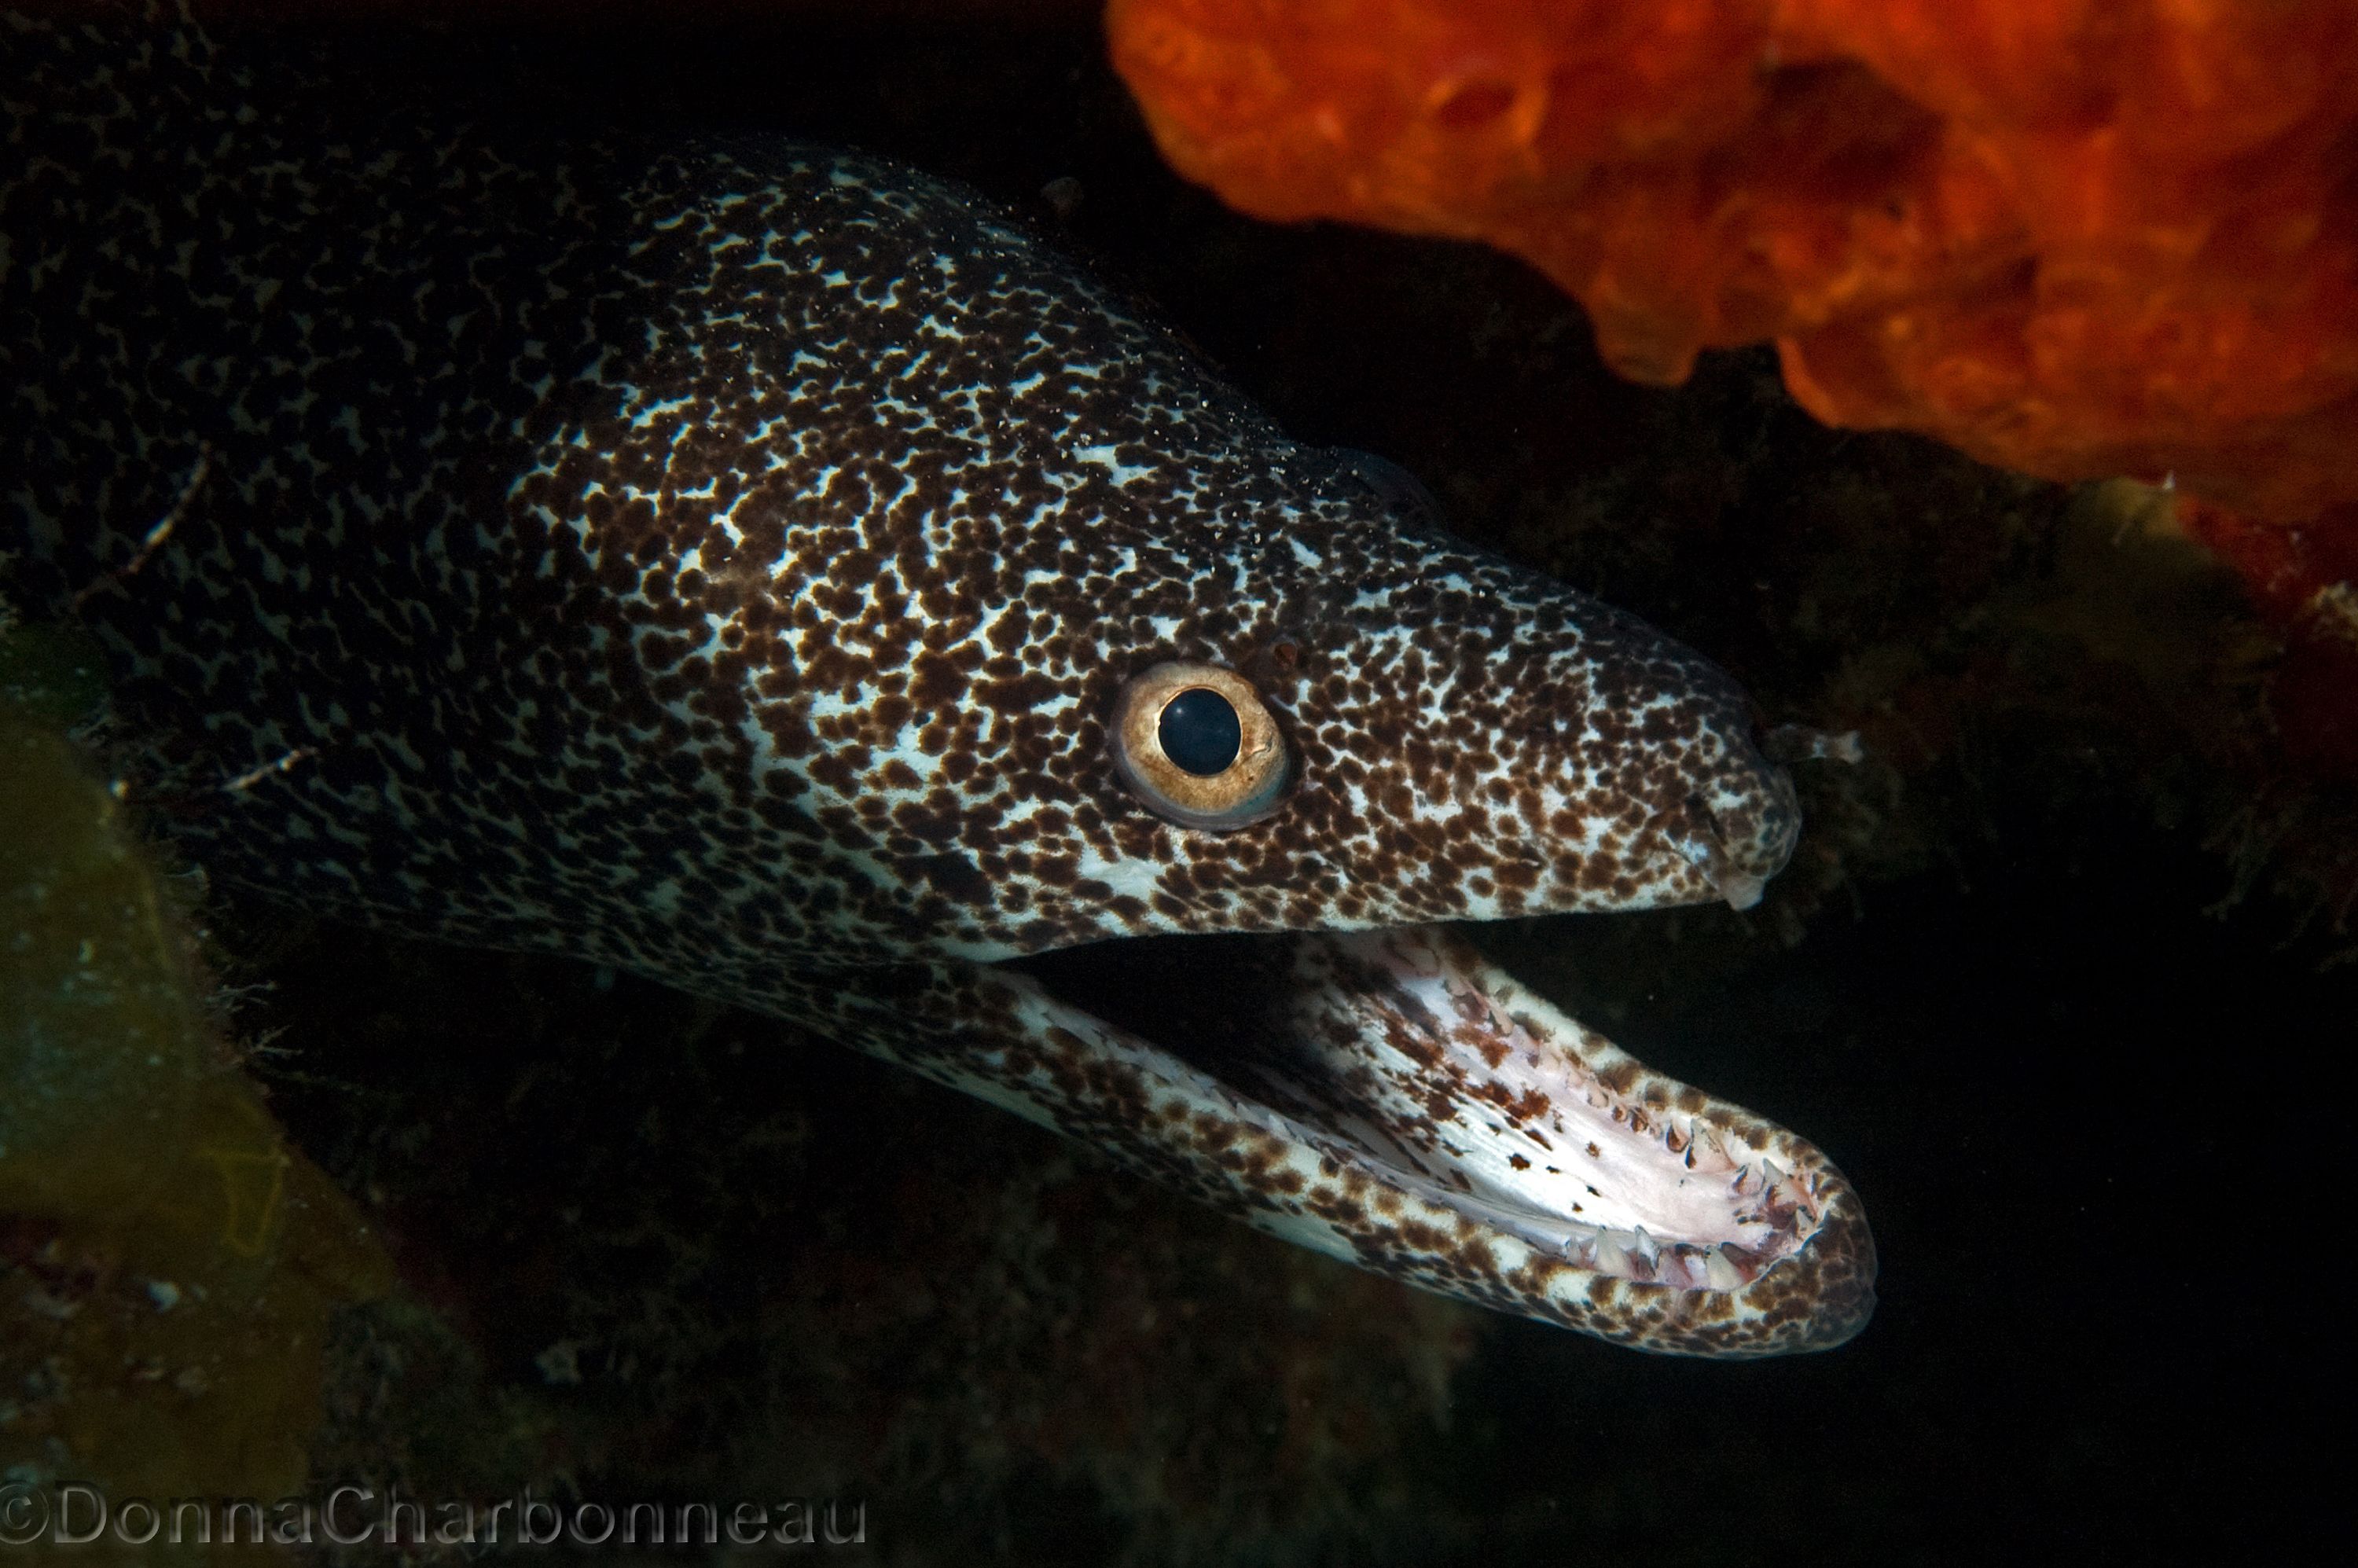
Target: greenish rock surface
(169, 1265)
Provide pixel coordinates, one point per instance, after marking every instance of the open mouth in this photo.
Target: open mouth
(1409, 1105)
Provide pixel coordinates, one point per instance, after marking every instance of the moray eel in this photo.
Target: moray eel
(773, 572)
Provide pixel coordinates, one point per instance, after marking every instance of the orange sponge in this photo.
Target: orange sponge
(2078, 238)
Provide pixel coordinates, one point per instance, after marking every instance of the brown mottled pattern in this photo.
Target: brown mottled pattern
(721, 561)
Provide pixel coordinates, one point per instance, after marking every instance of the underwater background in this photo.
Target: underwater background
(2060, 975)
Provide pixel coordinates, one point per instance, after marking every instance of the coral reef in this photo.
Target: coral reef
(168, 1266)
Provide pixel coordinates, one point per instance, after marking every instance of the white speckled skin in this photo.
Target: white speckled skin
(722, 561)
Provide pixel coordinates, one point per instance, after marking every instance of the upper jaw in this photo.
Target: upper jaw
(1391, 1098)
(1738, 832)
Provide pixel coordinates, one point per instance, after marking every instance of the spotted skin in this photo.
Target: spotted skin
(722, 561)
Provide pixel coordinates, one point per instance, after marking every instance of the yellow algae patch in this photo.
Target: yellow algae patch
(169, 1265)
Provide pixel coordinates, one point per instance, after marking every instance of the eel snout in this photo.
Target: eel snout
(1725, 817)
(1740, 824)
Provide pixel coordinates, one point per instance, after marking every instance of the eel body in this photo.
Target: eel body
(741, 564)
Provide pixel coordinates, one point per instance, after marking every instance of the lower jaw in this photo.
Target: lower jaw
(1407, 1057)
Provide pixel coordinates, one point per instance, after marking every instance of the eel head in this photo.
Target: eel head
(1451, 738)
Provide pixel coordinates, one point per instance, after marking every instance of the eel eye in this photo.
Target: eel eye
(1194, 743)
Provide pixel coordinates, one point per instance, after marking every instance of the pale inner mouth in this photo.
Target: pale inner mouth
(1408, 1057)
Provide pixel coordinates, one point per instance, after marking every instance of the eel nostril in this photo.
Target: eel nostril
(1706, 820)
(1788, 743)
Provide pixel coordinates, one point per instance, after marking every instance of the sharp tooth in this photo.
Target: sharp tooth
(1719, 1272)
(1646, 1247)
(1611, 1257)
